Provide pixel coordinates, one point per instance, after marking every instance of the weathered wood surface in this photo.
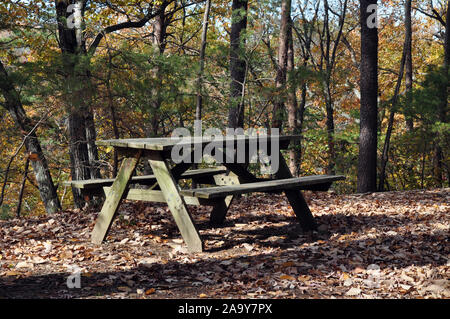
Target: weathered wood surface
(296, 199)
(221, 205)
(155, 196)
(112, 202)
(176, 203)
(279, 184)
(144, 180)
(167, 143)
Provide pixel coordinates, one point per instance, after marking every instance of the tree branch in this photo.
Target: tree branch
(124, 25)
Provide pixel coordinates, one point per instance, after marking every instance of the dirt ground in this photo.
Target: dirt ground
(383, 245)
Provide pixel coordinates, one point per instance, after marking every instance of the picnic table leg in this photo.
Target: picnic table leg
(221, 205)
(296, 199)
(113, 199)
(175, 202)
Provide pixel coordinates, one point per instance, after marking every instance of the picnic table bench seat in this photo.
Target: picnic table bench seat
(314, 182)
(202, 175)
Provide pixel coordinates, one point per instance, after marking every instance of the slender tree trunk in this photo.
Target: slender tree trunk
(41, 170)
(408, 63)
(22, 187)
(237, 63)
(199, 105)
(91, 137)
(330, 130)
(113, 116)
(367, 162)
(443, 106)
(327, 92)
(292, 107)
(387, 140)
(198, 109)
(406, 55)
(159, 39)
(280, 81)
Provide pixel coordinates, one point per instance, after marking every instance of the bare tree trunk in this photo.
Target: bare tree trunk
(199, 105)
(330, 130)
(367, 162)
(22, 187)
(8, 167)
(327, 94)
(198, 109)
(408, 63)
(41, 170)
(280, 81)
(305, 45)
(237, 63)
(91, 137)
(443, 107)
(113, 116)
(387, 139)
(292, 107)
(159, 39)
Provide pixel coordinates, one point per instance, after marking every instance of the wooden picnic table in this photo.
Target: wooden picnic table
(164, 185)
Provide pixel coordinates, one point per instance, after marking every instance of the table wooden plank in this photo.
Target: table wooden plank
(155, 196)
(283, 184)
(167, 143)
(146, 179)
(175, 202)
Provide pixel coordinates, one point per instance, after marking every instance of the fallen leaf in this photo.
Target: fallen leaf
(353, 292)
(66, 254)
(304, 278)
(38, 260)
(348, 282)
(345, 276)
(287, 264)
(150, 291)
(124, 241)
(24, 264)
(358, 270)
(286, 277)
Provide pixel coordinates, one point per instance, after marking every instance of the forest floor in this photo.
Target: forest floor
(382, 245)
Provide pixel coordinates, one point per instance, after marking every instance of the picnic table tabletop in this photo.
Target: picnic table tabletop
(166, 143)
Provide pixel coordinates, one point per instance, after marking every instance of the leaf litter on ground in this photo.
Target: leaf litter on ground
(382, 245)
